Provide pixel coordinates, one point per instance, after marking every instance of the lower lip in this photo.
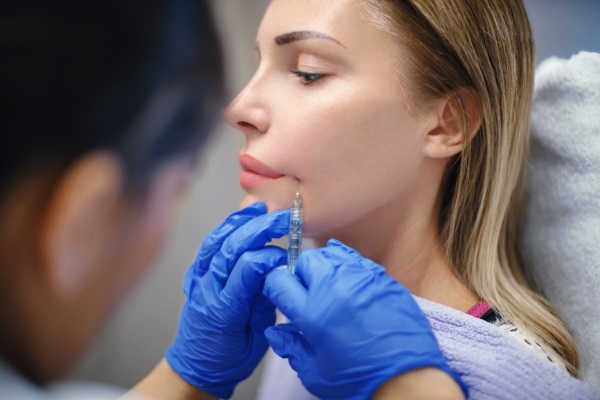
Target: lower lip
(249, 180)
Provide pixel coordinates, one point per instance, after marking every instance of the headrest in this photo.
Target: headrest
(561, 242)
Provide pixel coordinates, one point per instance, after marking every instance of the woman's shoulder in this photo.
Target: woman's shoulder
(484, 311)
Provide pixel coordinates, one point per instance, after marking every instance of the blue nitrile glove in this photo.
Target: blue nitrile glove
(359, 327)
(221, 340)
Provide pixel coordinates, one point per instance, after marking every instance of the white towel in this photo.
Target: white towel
(561, 242)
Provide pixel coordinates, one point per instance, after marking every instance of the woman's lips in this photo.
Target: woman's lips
(255, 173)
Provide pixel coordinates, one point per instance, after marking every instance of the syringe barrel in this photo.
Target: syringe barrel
(295, 233)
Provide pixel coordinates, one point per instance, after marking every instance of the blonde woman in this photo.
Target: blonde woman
(404, 126)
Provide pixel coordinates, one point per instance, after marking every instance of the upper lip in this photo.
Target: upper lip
(251, 164)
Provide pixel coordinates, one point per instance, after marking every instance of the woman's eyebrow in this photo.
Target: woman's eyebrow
(302, 35)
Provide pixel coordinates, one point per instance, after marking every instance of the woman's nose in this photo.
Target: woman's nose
(248, 111)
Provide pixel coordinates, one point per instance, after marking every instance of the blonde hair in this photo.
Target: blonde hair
(485, 47)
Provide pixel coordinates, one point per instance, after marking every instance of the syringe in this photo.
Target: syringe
(294, 237)
(295, 233)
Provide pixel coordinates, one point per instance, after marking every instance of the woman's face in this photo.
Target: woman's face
(325, 113)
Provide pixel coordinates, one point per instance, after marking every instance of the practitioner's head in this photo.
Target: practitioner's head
(388, 112)
(103, 109)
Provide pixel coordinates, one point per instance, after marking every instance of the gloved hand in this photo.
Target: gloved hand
(221, 340)
(353, 327)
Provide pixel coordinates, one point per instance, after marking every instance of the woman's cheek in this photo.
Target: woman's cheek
(324, 212)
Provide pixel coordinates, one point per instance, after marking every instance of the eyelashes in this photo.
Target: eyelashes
(307, 78)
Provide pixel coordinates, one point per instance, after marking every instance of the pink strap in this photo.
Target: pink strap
(479, 309)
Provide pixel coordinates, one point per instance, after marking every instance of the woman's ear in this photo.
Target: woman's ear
(76, 220)
(459, 117)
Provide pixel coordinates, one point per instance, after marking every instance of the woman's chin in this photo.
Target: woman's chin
(275, 202)
(249, 199)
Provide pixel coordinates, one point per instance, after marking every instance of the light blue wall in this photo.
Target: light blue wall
(564, 27)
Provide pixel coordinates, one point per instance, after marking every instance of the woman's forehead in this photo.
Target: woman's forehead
(343, 20)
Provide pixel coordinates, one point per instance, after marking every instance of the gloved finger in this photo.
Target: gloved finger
(284, 290)
(213, 241)
(262, 315)
(365, 262)
(287, 342)
(248, 275)
(316, 265)
(253, 235)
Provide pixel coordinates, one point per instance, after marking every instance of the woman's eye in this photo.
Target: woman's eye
(307, 78)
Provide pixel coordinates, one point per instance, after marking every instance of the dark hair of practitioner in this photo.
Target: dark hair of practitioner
(140, 80)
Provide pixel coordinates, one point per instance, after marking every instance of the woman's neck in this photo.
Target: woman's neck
(409, 248)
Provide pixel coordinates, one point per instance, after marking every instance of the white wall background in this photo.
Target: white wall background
(136, 337)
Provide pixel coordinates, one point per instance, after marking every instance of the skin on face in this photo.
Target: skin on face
(325, 109)
(76, 257)
(342, 133)
(123, 246)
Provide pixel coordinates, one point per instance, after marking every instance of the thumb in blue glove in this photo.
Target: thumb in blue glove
(354, 327)
(220, 339)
